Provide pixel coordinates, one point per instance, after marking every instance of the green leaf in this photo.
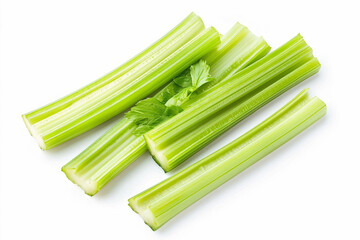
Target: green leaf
(184, 80)
(142, 129)
(172, 111)
(146, 111)
(200, 74)
(168, 92)
(149, 113)
(179, 98)
(190, 80)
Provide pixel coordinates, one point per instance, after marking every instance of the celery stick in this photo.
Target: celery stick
(159, 204)
(216, 110)
(105, 158)
(117, 91)
(180, 32)
(120, 145)
(237, 50)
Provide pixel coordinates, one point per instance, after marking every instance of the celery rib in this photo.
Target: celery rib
(99, 159)
(239, 48)
(159, 204)
(192, 21)
(109, 155)
(222, 106)
(110, 95)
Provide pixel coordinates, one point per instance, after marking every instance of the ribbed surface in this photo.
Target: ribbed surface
(106, 157)
(176, 193)
(98, 102)
(192, 21)
(84, 119)
(118, 147)
(201, 122)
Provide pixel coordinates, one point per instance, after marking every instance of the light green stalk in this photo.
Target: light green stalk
(105, 158)
(159, 204)
(117, 91)
(121, 145)
(216, 110)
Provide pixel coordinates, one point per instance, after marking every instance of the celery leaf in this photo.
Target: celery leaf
(149, 113)
(168, 92)
(184, 80)
(191, 80)
(200, 74)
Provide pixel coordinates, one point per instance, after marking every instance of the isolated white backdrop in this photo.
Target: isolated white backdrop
(308, 189)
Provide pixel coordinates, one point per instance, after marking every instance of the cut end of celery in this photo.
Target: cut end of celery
(33, 131)
(157, 155)
(145, 214)
(90, 187)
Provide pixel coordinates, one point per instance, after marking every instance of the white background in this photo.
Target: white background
(307, 189)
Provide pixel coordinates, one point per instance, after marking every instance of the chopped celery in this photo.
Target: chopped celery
(117, 91)
(105, 158)
(238, 49)
(217, 109)
(159, 204)
(123, 143)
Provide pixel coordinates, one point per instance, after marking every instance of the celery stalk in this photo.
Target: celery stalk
(237, 50)
(117, 91)
(105, 158)
(180, 32)
(159, 204)
(120, 146)
(214, 111)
